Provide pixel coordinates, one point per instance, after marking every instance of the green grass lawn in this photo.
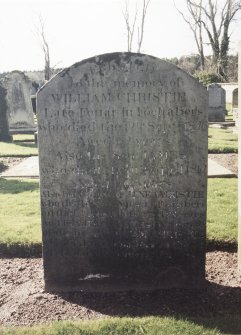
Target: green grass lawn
(222, 213)
(222, 141)
(20, 211)
(22, 145)
(18, 149)
(135, 326)
(23, 138)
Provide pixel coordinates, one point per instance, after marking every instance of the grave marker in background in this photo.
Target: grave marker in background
(123, 174)
(4, 128)
(235, 106)
(18, 102)
(216, 103)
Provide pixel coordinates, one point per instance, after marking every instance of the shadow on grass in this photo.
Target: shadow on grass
(23, 141)
(215, 306)
(15, 186)
(26, 145)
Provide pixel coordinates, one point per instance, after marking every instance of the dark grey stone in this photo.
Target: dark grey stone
(123, 175)
(216, 103)
(4, 127)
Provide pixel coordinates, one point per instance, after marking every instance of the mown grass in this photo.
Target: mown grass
(18, 149)
(134, 326)
(222, 211)
(23, 137)
(222, 141)
(22, 146)
(20, 211)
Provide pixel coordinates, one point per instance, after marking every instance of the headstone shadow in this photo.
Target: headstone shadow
(26, 144)
(14, 186)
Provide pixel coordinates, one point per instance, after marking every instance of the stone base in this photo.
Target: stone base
(14, 131)
(216, 115)
(94, 284)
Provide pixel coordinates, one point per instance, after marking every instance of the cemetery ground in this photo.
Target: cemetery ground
(214, 309)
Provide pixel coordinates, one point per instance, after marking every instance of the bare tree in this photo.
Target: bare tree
(216, 20)
(130, 27)
(141, 28)
(45, 47)
(194, 20)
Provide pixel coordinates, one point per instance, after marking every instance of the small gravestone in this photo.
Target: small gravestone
(123, 175)
(216, 103)
(4, 127)
(235, 106)
(18, 101)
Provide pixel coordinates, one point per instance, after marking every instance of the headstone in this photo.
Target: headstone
(239, 162)
(235, 106)
(123, 173)
(235, 98)
(4, 128)
(19, 106)
(216, 103)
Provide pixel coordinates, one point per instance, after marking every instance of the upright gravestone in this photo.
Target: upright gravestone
(216, 103)
(4, 128)
(19, 106)
(235, 106)
(239, 161)
(123, 174)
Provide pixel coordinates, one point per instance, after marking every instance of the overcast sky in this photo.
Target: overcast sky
(78, 29)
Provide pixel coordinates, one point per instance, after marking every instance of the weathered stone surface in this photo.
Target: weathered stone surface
(4, 127)
(235, 98)
(239, 162)
(235, 106)
(18, 100)
(216, 103)
(123, 173)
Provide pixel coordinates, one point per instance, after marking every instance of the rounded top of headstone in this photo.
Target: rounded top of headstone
(16, 74)
(214, 85)
(123, 62)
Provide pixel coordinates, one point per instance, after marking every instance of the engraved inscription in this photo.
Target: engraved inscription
(123, 169)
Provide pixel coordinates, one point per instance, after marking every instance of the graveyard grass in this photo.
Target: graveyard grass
(222, 212)
(135, 326)
(22, 146)
(20, 212)
(222, 141)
